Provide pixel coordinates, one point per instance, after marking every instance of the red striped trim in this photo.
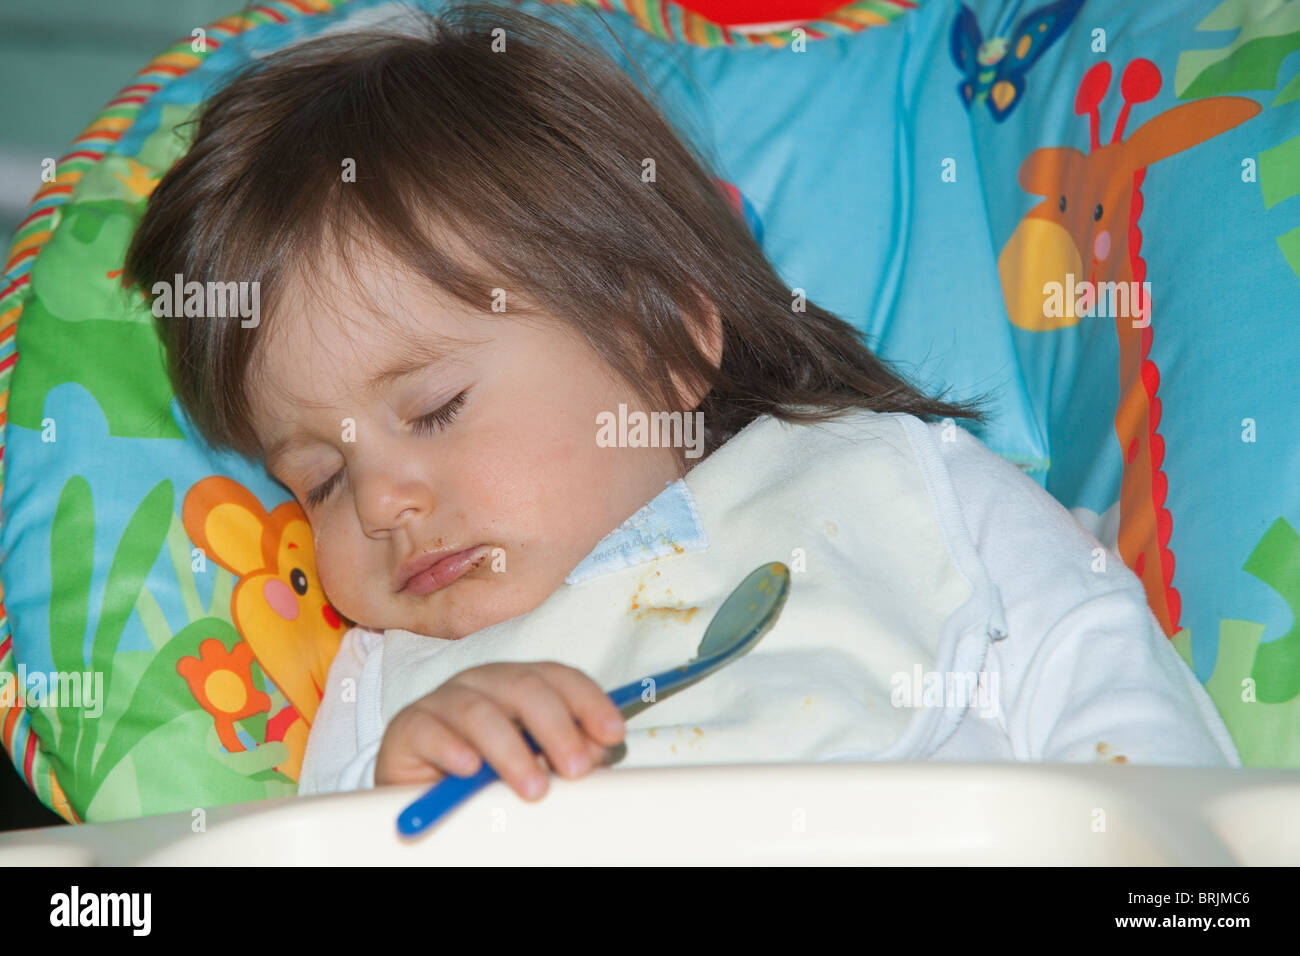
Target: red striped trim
(164, 68)
(7, 725)
(13, 286)
(45, 211)
(8, 362)
(83, 153)
(188, 41)
(25, 254)
(110, 135)
(29, 757)
(274, 14)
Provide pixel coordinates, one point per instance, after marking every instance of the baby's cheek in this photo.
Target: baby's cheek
(335, 581)
(327, 586)
(320, 545)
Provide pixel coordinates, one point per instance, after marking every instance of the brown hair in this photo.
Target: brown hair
(533, 158)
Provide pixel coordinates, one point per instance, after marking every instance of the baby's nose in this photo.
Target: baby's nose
(384, 504)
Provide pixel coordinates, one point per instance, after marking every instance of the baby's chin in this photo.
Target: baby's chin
(458, 611)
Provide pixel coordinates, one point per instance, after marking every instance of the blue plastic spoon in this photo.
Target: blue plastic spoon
(745, 616)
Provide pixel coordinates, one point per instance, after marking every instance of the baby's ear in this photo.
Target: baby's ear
(705, 326)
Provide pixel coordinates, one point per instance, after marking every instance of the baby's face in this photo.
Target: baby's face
(493, 448)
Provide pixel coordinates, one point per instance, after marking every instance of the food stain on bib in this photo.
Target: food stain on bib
(1105, 753)
(678, 614)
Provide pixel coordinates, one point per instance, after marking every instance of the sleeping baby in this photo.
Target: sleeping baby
(544, 410)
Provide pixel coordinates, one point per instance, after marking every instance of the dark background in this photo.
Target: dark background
(19, 808)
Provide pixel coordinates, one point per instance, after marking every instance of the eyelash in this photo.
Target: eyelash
(424, 425)
(441, 417)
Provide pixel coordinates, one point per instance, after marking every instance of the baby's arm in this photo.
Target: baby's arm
(343, 743)
(1086, 673)
(1106, 684)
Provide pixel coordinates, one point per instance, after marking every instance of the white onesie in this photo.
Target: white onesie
(942, 606)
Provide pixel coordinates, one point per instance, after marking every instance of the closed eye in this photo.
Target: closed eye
(442, 417)
(426, 424)
(321, 492)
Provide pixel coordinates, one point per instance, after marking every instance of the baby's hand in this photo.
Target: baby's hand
(472, 718)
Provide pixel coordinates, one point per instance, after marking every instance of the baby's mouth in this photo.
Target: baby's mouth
(445, 571)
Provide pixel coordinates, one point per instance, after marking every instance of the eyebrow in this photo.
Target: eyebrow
(419, 357)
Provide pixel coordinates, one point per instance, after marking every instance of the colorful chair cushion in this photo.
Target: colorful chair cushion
(933, 182)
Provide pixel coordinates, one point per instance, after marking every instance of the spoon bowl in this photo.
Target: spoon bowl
(742, 620)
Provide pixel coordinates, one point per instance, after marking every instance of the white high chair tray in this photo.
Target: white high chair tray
(823, 813)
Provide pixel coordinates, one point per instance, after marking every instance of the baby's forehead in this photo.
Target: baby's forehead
(353, 310)
(376, 313)
(319, 350)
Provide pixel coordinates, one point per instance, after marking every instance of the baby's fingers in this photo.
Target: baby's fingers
(420, 748)
(587, 702)
(482, 721)
(547, 717)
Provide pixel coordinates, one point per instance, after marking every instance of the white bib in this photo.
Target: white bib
(877, 603)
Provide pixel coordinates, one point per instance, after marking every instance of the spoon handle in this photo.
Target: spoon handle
(447, 794)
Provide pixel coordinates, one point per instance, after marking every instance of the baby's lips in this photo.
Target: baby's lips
(446, 571)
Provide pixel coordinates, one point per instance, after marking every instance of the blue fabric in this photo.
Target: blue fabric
(666, 525)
